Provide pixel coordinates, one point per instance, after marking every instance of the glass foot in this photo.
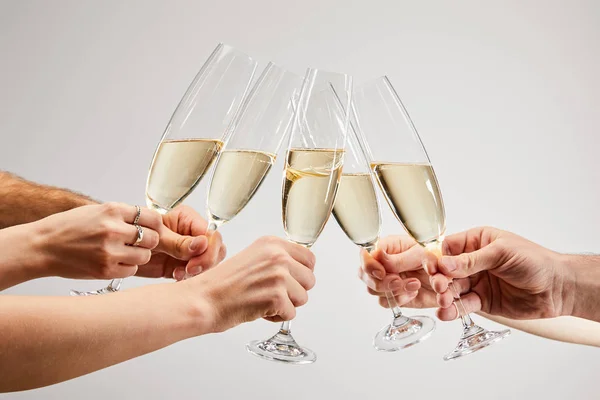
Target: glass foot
(105, 290)
(114, 286)
(282, 348)
(475, 338)
(403, 332)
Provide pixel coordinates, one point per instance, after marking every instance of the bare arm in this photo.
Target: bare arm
(46, 340)
(565, 329)
(22, 201)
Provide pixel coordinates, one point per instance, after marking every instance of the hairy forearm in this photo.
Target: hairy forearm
(52, 339)
(564, 329)
(22, 201)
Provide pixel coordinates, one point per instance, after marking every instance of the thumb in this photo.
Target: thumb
(467, 264)
(409, 260)
(181, 247)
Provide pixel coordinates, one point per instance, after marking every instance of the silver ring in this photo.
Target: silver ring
(138, 211)
(140, 235)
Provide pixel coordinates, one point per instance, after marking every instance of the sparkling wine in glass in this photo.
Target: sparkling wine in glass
(253, 144)
(195, 134)
(404, 173)
(356, 211)
(313, 168)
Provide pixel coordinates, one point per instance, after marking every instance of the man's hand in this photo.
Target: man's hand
(184, 244)
(503, 274)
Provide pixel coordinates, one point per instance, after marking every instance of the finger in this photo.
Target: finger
(444, 300)
(130, 255)
(148, 218)
(208, 258)
(396, 244)
(286, 311)
(391, 283)
(467, 264)
(409, 260)
(125, 271)
(430, 263)
(198, 225)
(369, 281)
(446, 297)
(180, 246)
(304, 276)
(150, 238)
(296, 292)
(383, 294)
(372, 267)
(179, 273)
(471, 303)
(300, 253)
(400, 300)
(222, 253)
(439, 283)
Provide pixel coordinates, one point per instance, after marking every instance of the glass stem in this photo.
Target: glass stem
(436, 248)
(115, 284)
(388, 295)
(286, 328)
(465, 318)
(212, 225)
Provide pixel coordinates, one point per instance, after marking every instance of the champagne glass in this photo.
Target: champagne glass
(253, 143)
(356, 210)
(313, 169)
(195, 134)
(404, 173)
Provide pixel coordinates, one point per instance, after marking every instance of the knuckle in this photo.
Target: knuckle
(311, 260)
(266, 241)
(153, 240)
(310, 282)
(179, 245)
(111, 208)
(279, 275)
(155, 218)
(145, 257)
(280, 257)
(302, 300)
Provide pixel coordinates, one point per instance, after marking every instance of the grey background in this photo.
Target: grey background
(505, 95)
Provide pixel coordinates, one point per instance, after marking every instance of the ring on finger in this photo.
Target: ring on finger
(140, 235)
(138, 213)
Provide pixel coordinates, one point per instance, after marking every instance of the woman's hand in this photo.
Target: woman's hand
(95, 242)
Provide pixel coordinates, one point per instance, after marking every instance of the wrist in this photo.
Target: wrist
(23, 256)
(582, 286)
(199, 310)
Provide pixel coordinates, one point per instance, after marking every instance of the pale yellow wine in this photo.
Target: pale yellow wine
(309, 189)
(356, 209)
(238, 174)
(177, 168)
(413, 193)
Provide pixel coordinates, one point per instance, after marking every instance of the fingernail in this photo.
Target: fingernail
(449, 263)
(395, 284)
(378, 275)
(195, 244)
(178, 275)
(412, 286)
(426, 267)
(194, 270)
